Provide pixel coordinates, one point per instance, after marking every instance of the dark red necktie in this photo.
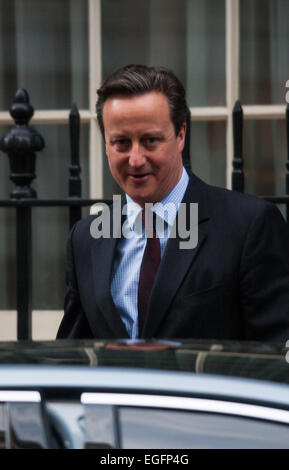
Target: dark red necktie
(149, 266)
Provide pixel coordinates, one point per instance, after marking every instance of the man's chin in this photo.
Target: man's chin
(141, 198)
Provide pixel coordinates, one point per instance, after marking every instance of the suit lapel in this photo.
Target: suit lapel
(102, 253)
(175, 262)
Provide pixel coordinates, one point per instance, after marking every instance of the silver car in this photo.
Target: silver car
(143, 395)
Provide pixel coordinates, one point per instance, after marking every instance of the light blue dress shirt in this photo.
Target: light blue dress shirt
(129, 253)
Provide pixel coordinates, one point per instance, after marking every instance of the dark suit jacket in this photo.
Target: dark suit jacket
(233, 285)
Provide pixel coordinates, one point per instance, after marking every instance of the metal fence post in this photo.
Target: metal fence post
(237, 173)
(74, 169)
(21, 143)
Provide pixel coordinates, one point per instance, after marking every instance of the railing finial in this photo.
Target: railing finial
(21, 143)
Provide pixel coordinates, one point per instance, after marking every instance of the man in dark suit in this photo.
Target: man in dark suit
(234, 284)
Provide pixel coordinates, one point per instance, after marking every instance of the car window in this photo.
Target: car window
(153, 428)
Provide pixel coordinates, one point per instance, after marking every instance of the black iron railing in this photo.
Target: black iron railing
(21, 144)
(238, 177)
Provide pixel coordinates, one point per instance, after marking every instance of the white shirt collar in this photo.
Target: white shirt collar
(171, 201)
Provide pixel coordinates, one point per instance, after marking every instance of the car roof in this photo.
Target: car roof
(75, 380)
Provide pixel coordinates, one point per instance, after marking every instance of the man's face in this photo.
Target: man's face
(144, 154)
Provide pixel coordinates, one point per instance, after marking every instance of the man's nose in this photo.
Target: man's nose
(136, 156)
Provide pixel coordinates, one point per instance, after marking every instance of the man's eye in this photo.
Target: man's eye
(121, 144)
(151, 140)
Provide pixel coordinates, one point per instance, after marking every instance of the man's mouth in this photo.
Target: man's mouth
(139, 177)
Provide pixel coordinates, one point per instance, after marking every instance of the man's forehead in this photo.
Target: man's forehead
(147, 132)
(146, 105)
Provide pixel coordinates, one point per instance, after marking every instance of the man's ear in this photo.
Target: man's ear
(181, 137)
